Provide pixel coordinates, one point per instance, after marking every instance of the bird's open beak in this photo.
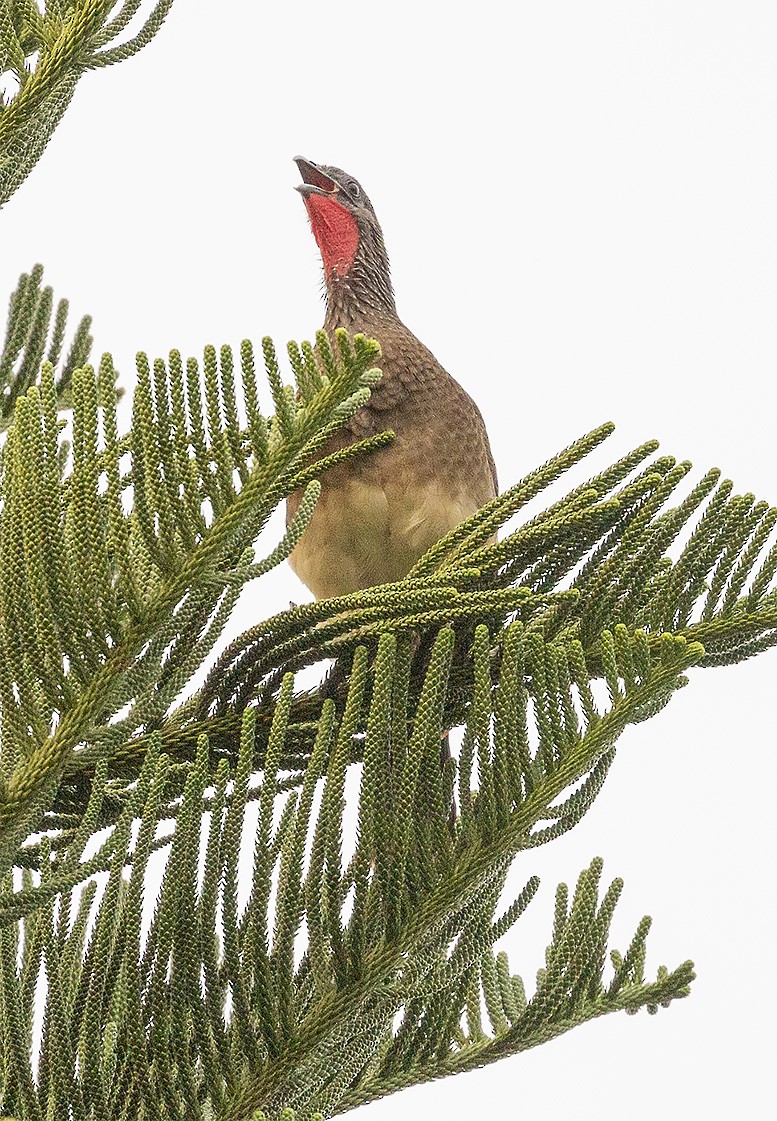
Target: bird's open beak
(314, 181)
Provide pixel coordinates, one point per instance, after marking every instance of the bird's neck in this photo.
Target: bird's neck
(364, 293)
(351, 304)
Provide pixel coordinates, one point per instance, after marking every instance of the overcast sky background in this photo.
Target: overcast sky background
(579, 204)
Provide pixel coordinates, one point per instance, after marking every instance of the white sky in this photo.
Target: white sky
(579, 204)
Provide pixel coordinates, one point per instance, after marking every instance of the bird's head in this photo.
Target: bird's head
(346, 229)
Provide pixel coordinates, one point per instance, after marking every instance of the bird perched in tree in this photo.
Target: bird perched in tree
(380, 512)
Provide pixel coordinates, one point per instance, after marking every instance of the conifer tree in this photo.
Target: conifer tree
(358, 965)
(347, 975)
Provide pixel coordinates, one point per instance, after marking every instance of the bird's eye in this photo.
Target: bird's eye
(353, 189)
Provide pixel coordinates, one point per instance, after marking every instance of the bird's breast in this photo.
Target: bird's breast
(365, 533)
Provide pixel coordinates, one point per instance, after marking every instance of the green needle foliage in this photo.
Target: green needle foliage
(44, 50)
(35, 332)
(197, 917)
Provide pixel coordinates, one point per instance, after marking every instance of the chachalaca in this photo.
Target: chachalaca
(380, 512)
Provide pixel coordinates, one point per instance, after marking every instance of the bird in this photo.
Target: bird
(378, 513)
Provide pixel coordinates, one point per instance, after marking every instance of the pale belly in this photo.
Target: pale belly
(362, 533)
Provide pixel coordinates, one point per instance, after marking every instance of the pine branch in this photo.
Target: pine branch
(318, 1034)
(105, 606)
(45, 53)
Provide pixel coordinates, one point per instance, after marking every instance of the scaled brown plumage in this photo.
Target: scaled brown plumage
(380, 512)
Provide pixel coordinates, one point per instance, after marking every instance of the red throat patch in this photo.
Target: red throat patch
(335, 231)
